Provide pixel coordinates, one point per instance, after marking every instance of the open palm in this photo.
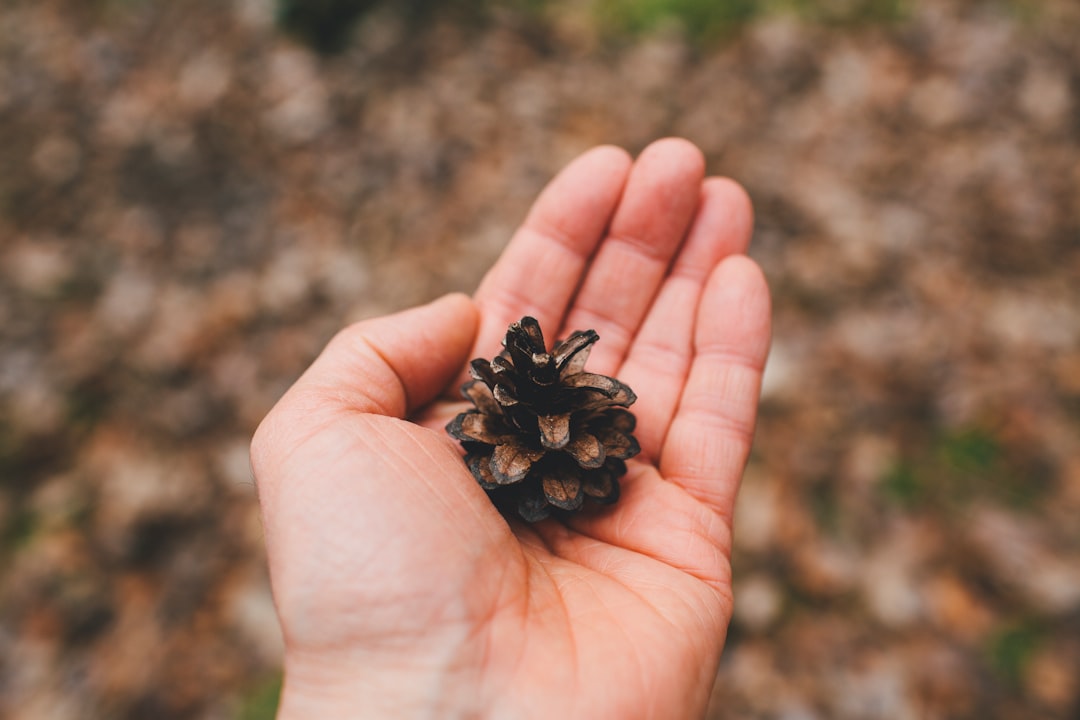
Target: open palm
(402, 591)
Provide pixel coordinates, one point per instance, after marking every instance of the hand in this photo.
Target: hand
(402, 592)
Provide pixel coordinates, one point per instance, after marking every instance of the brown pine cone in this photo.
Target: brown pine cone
(544, 433)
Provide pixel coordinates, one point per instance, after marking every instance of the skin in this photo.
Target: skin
(403, 593)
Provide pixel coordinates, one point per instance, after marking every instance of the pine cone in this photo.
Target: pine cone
(544, 433)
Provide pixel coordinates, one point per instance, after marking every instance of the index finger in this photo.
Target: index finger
(541, 268)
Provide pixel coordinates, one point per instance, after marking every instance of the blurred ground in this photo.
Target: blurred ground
(192, 202)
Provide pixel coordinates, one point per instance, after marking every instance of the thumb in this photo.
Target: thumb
(384, 366)
(396, 363)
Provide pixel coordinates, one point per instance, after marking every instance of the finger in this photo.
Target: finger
(660, 355)
(393, 364)
(707, 445)
(541, 268)
(653, 216)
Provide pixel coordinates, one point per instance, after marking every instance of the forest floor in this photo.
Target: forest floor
(192, 202)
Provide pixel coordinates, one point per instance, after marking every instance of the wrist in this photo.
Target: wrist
(386, 687)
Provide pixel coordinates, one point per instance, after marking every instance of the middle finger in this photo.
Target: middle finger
(657, 206)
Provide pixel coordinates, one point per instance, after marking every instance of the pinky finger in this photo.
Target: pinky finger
(707, 446)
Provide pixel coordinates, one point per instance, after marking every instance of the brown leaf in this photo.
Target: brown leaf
(562, 489)
(512, 460)
(554, 430)
(587, 450)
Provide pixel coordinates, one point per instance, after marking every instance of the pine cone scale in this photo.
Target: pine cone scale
(563, 490)
(622, 420)
(601, 486)
(571, 354)
(479, 427)
(593, 381)
(481, 396)
(619, 445)
(480, 466)
(554, 431)
(511, 461)
(532, 504)
(587, 450)
(504, 396)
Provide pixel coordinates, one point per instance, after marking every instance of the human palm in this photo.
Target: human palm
(402, 591)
